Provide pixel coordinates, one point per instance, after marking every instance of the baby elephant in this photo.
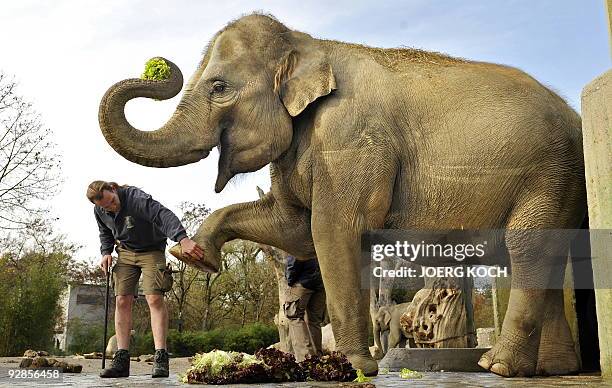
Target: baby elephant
(111, 346)
(388, 319)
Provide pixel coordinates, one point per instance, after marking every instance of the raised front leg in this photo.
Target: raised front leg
(264, 221)
(352, 194)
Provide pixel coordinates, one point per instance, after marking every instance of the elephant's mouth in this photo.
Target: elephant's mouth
(224, 173)
(202, 153)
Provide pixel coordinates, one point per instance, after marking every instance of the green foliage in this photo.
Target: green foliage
(142, 344)
(86, 337)
(220, 367)
(251, 337)
(406, 373)
(483, 307)
(189, 343)
(245, 339)
(30, 288)
(361, 378)
(156, 69)
(267, 366)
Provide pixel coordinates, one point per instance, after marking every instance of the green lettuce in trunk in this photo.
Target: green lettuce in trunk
(156, 69)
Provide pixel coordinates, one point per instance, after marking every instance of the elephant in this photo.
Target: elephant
(388, 319)
(111, 346)
(360, 138)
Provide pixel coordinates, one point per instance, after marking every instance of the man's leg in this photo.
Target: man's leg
(295, 308)
(125, 281)
(153, 265)
(315, 312)
(123, 320)
(159, 319)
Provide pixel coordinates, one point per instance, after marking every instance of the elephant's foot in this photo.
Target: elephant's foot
(368, 366)
(557, 355)
(557, 358)
(376, 353)
(210, 262)
(514, 354)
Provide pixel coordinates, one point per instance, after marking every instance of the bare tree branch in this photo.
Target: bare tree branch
(29, 165)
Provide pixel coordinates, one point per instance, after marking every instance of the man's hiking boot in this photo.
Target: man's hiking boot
(120, 366)
(161, 365)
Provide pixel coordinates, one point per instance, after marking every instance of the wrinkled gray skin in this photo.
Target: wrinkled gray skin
(361, 138)
(388, 319)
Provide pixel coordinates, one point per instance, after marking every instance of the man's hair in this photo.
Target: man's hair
(96, 188)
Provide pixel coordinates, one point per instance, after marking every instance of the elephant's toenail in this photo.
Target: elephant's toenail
(484, 362)
(501, 369)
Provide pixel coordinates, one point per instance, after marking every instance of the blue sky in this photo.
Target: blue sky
(66, 53)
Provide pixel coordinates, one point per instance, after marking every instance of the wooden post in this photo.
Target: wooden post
(597, 133)
(467, 290)
(609, 13)
(597, 141)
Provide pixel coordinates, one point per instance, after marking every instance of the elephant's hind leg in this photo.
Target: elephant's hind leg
(536, 258)
(557, 355)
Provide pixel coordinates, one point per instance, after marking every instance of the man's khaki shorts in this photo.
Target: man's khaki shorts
(126, 272)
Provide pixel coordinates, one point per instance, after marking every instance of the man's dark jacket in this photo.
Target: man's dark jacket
(307, 273)
(141, 225)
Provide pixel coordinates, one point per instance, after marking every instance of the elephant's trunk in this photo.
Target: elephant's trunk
(377, 338)
(385, 341)
(176, 143)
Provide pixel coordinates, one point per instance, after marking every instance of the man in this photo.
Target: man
(131, 221)
(304, 306)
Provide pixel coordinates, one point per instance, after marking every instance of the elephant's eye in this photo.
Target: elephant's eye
(218, 87)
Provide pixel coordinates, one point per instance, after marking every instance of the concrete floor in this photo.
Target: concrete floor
(140, 377)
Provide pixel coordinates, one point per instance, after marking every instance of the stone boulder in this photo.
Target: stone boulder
(35, 353)
(42, 362)
(147, 357)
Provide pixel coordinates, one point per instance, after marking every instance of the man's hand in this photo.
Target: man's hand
(106, 262)
(191, 249)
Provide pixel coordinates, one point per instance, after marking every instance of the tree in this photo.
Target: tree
(87, 272)
(28, 164)
(193, 215)
(483, 306)
(33, 275)
(252, 280)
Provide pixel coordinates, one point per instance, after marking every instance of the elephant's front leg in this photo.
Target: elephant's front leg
(352, 195)
(264, 221)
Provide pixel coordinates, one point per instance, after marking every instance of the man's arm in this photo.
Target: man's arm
(164, 220)
(107, 240)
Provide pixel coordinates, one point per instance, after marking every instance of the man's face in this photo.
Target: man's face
(109, 201)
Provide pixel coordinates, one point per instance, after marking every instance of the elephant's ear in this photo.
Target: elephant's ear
(387, 318)
(300, 80)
